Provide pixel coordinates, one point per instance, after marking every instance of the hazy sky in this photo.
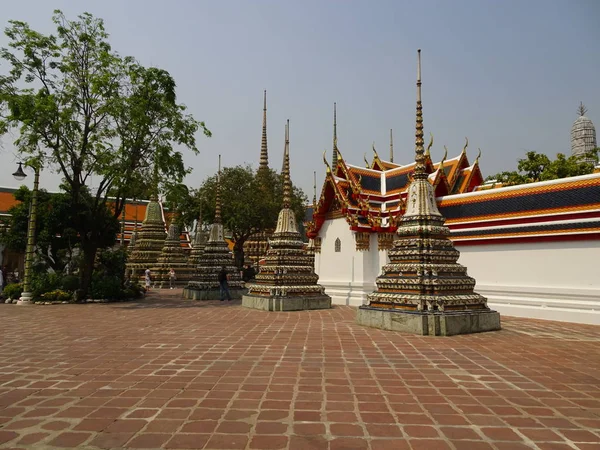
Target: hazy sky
(507, 74)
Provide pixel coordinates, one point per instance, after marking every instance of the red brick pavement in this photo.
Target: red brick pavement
(165, 373)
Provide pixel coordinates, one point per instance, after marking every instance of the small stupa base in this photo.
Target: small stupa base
(429, 324)
(210, 294)
(287, 303)
(161, 284)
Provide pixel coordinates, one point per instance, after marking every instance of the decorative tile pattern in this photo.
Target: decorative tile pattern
(276, 380)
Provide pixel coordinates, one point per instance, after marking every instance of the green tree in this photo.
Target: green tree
(81, 108)
(564, 166)
(533, 165)
(55, 238)
(250, 203)
(538, 167)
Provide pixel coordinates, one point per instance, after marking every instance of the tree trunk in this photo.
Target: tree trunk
(238, 254)
(85, 276)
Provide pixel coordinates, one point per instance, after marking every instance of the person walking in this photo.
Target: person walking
(223, 285)
(147, 279)
(172, 277)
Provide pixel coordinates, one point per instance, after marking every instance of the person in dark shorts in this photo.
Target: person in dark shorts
(223, 285)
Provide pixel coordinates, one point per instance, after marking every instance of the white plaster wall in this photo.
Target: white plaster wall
(545, 280)
(348, 276)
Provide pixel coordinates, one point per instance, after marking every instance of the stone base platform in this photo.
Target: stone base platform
(210, 294)
(429, 324)
(286, 303)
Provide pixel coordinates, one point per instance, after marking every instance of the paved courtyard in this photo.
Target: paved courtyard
(181, 375)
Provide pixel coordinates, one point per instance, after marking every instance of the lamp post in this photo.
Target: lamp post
(27, 295)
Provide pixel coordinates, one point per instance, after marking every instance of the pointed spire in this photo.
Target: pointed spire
(287, 184)
(314, 189)
(199, 222)
(334, 158)
(285, 150)
(264, 153)
(218, 195)
(581, 110)
(391, 146)
(154, 195)
(420, 172)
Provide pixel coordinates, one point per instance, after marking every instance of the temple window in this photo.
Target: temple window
(338, 245)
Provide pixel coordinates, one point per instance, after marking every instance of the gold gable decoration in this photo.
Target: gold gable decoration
(363, 241)
(385, 241)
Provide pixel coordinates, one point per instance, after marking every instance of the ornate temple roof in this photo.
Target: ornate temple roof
(567, 208)
(369, 197)
(373, 199)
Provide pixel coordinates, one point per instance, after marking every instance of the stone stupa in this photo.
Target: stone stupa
(150, 239)
(423, 289)
(172, 257)
(205, 283)
(287, 281)
(583, 136)
(256, 245)
(198, 244)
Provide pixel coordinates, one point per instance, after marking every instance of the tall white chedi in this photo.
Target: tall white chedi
(583, 135)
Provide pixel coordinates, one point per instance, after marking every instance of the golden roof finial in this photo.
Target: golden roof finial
(427, 152)
(478, 156)
(441, 166)
(314, 189)
(375, 151)
(464, 150)
(325, 161)
(367, 161)
(391, 146)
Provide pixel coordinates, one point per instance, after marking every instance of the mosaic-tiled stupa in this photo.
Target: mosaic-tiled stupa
(198, 244)
(205, 283)
(583, 136)
(423, 289)
(172, 257)
(287, 281)
(132, 242)
(149, 242)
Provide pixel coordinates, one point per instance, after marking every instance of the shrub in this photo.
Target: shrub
(70, 283)
(57, 295)
(13, 290)
(133, 291)
(44, 282)
(105, 287)
(112, 262)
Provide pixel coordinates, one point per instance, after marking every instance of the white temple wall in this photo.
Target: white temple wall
(348, 275)
(543, 280)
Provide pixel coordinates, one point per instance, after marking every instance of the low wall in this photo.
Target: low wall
(544, 280)
(557, 280)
